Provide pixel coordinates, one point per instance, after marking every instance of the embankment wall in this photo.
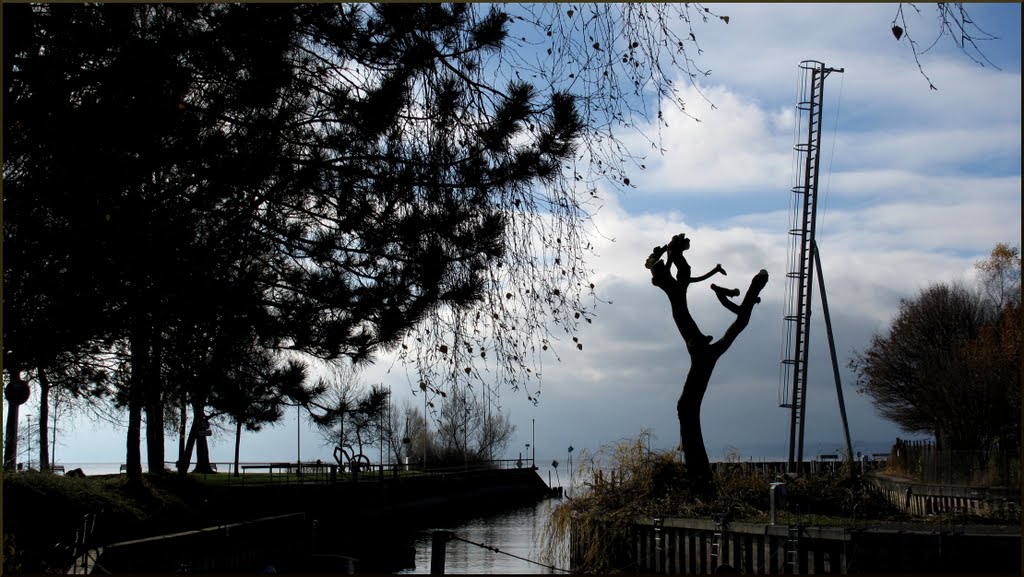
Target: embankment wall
(682, 546)
(251, 526)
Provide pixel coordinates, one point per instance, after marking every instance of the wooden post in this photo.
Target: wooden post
(438, 546)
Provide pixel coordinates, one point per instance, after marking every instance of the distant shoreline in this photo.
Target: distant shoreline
(543, 463)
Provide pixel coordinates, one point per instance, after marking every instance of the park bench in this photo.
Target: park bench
(281, 467)
(124, 468)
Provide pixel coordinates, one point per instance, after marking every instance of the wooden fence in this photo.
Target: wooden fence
(926, 462)
(682, 546)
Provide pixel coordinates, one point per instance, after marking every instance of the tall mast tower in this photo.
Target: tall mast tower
(803, 258)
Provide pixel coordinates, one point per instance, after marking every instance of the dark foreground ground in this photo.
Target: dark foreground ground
(46, 516)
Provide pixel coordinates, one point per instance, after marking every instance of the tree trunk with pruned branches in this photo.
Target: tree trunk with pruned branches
(704, 351)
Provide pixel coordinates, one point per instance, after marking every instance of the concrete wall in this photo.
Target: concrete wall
(237, 547)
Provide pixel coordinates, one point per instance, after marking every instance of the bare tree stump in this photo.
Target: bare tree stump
(703, 350)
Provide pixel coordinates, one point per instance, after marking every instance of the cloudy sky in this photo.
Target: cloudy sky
(917, 185)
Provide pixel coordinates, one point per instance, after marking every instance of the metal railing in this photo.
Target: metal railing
(319, 472)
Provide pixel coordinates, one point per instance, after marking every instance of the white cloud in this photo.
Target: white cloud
(735, 148)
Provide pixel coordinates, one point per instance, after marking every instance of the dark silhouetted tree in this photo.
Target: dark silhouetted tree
(901, 370)
(999, 276)
(256, 391)
(467, 431)
(949, 365)
(346, 149)
(351, 414)
(704, 351)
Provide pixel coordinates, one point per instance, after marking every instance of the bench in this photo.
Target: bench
(281, 467)
(285, 468)
(124, 468)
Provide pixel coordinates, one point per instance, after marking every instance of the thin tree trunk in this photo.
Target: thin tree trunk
(136, 395)
(186, 457)
(53, 427)
(44, 417)
(182, 432)
(11, 436)
(238, 441)
(154, 408)
(202, 449)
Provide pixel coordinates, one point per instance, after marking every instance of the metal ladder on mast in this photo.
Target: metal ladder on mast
(803, 252)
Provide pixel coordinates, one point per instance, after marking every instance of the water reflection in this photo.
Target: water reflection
(519, 532)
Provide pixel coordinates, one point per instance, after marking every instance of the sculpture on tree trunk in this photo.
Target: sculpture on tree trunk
(704, 353)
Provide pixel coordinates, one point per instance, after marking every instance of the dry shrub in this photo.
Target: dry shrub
(646, 484)
(839, 495)
(625, 481)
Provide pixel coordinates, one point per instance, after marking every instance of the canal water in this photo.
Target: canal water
(517, 534)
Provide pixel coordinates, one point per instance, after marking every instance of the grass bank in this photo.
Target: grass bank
(43, 512)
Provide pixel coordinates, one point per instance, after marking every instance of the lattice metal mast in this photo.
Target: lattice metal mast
(803, 253)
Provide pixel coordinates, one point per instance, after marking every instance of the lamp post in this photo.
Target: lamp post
(298, 438)
(527, 450)
(534, 434)
(28, 423)
(380, 436)
(424, 429)
(570, 464)
(406, 441)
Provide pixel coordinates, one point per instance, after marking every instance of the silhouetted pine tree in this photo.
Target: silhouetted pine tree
(337, 158)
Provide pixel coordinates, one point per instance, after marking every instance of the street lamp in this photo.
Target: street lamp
(424, 427)
(534, 433)
(571, 449)
(407, 441)
(28, 423)
(527, 450)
